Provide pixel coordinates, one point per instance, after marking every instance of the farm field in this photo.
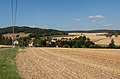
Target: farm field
(102, 39)
(68, 63)
(15, 34)
(97, 38)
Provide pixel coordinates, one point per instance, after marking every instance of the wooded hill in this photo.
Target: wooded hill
(49, 32)
(35, 31)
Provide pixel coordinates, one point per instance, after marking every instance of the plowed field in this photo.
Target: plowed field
(68, 63)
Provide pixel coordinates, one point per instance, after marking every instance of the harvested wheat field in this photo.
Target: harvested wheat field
(99, 38)
(68, 63)
(102, 39)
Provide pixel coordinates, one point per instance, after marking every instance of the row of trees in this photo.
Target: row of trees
(80, 42)
(111, 34)
(5, 40)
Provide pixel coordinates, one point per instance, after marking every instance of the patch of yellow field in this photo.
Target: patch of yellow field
(102, 39)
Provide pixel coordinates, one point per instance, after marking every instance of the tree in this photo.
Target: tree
(5, 40)
(66, 46)
(75, 46)
(116, 35)
(23, 41)
(112, 44)
(109, 35)
(38, 42)
(106, 35)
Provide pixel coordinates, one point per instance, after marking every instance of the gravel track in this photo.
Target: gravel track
(68, 63)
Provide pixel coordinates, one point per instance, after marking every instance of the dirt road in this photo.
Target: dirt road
(66, 63)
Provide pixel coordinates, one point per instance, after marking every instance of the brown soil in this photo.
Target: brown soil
(66, 63)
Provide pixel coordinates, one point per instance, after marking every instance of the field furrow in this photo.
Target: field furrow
(66, 63)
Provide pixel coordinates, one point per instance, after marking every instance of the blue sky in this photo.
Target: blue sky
(64, 14)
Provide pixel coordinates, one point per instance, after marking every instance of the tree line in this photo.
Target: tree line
(5, 40)
(80, 42)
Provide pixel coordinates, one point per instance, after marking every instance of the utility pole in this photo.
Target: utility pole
(14, 15)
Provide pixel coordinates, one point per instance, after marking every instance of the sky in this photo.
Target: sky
(63, 14)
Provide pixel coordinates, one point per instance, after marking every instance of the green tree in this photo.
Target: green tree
(66, 46)
(116, 35)
(110, 35)
(39, 43)
(112, 44)
(75, 46)
(106, 35)
(23, 41)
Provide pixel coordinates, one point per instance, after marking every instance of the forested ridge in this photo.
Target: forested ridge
(35, 31)
(40, 31)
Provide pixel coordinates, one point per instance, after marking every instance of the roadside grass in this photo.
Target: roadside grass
(7, 64)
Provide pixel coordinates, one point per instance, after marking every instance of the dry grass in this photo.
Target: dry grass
(20, 34)
(66, 63)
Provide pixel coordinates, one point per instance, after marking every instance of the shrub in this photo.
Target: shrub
(112, 45)
(66, 46)
(75, 46)
(95, 46)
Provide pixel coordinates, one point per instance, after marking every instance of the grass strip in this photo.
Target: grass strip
(7, 64)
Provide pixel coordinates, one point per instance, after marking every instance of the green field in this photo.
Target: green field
(7, 64)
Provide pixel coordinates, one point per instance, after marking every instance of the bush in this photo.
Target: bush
(66, 46)
(95, 46)
(75, 46)
(83, 46)
(112, 45)
(117, 47)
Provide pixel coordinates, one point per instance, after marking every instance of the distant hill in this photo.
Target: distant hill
(49, 32)
(35, 31)
(95, 31)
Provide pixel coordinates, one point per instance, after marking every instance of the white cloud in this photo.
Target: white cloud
(100, 16)
(96, 17)
(77, 19)
(92, 17)
(34, 26)
(108, 25)
(38, 26)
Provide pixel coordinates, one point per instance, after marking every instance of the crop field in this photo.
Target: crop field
(15, 34)
(97, 38)
(68, 63)
(102, 39)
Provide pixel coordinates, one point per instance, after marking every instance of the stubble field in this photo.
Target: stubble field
(102, 40)
(68, 63)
